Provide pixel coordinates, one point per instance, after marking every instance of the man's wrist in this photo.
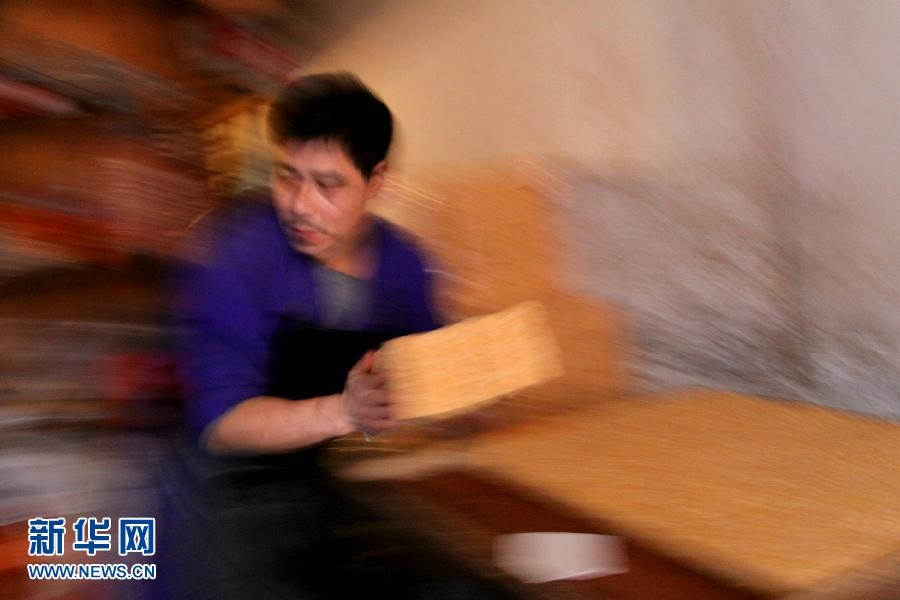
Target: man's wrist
(332, 408)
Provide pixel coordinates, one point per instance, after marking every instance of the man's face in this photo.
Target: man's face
(321, 197)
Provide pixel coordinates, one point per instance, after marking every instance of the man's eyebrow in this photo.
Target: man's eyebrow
(330, 175)
(285, 166)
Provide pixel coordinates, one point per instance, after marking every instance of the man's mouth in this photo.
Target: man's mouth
(307, 233)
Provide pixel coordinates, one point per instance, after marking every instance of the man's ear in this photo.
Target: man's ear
(376, 179)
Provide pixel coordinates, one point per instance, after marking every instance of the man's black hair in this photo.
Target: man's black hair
(334, 107)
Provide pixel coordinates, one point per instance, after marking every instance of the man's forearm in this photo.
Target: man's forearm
(266, 424)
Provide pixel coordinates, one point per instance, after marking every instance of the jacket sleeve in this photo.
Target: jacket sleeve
(221, 341)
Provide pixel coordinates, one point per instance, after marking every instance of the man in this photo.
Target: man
(277, 331)
(318, 258)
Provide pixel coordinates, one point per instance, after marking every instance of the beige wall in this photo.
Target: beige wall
(623, 84)
(472, 80)
(735, 182)
(839, 87)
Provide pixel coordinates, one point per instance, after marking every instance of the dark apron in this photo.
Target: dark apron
(279, 526)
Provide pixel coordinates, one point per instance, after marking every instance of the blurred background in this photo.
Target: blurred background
(704, 193)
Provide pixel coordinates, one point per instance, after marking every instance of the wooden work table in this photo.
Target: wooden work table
(715, 495)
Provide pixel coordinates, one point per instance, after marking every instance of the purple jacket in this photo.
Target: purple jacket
(229, 309)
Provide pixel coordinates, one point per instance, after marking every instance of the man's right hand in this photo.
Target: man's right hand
(366, 401)
(268, 424)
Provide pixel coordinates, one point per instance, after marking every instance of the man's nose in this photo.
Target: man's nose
(302, 200)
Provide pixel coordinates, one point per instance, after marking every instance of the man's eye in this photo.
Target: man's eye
(328, 185)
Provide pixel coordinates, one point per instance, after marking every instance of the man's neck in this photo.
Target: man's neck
(357, 257)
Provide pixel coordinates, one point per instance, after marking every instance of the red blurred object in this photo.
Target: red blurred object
(142, 388)
(86, 239)
(229, 40)
(19, 99)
